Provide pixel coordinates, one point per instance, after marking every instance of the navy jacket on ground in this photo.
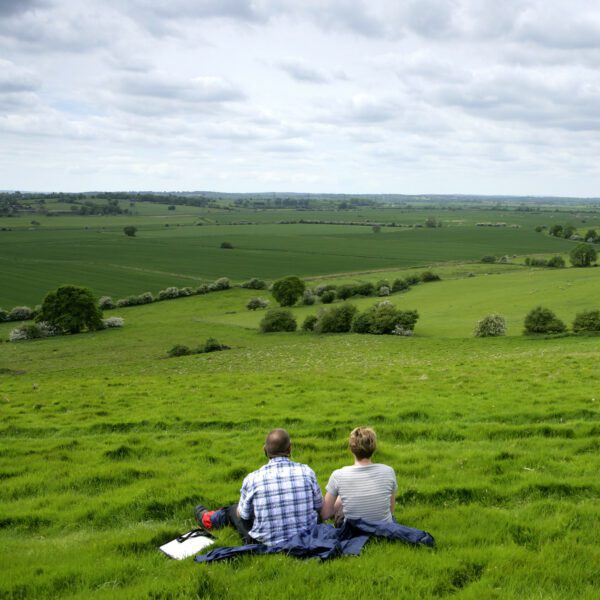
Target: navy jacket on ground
(325, 541)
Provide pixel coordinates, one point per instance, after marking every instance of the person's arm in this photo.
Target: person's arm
(244, 508)
(327, 509)
(392, 503)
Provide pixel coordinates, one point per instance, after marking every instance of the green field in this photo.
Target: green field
(93, 251)
(106, 445)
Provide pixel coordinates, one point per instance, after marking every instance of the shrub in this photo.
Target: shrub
(308, 298)
(20, 313)
(254, 284)
(202, 289)
(278, 319)
(33, 332)
(336, 319)
(399, 330)
(309, 323)
(382, 283)
(488, 259)
(591, 236)
(112, 322)
(384, 290)
(255, 303)
(400, 285)
(360, 289)
(328, 296)
(183, 292)
(212, 345)
(587, 321)
(179, 350)
(429, 276)
(130, 230)
(129, 301)
(288, 290)
(71, 309)
(556, 262)
(105, 303)
(145, 298)
(383, 318)
(222, 283)
(543, 320)
(168, 293)
(583, 255)
(321, 289)
(3, 315)
(490, 326)
(412, 279)
(227, 245)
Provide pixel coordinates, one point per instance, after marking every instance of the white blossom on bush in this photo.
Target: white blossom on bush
(113, 322)
(384, 290)
(399, 330)
(490, 326)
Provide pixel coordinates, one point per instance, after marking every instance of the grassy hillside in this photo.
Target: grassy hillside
(106, 446)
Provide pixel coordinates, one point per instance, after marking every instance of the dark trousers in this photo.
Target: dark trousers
(228, 516)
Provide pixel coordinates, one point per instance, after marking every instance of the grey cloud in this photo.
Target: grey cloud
(303, 71)
(16, 79)
(14, 7)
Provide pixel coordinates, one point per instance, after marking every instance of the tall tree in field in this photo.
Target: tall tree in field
(287, 291)
(71, 309)
(583, 255)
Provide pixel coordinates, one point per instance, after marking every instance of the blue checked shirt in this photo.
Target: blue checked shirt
(283, 498)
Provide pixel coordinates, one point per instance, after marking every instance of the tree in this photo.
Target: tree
(543, 320)
(587, 321)
(130, 230)
(171, 207)
(556, 230)
(431, 222)
(376, 228)
(568, 231)
(490, 326)
(288, 290)
(591, 235)
(71, 309)
(583, 255)
(278, 319)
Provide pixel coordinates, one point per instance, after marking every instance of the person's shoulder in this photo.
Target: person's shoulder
(386, 469)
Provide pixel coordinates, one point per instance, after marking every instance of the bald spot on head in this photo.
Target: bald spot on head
(278, 443)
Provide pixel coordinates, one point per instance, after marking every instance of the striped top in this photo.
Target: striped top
(365, 490)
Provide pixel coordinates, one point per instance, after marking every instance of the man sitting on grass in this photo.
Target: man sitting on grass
(277, 501)
(364, 490)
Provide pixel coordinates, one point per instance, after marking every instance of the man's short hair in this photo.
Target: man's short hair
(363, 442)
(278, 443)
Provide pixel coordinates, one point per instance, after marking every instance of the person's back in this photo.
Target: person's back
(364, 490)
(282, 497)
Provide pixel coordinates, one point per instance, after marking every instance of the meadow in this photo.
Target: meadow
(183, 247)
(106, 445)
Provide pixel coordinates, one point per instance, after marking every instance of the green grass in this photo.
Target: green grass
(104, 259)
(106, 446)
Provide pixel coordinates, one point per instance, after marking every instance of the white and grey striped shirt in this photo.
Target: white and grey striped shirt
(365, 490)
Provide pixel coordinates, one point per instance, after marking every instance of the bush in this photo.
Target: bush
(183, 292)
(3, 315)
(382, 283)
(383, 318)
(308, 298)
(488, 259)
(328, 296)
(399, 330)
(112, 322)
(32, 332)
(130, 230)
(400, 285)
(71, 309)
(490, 326)
(168, 293)
(556, 262)
(336, 319)
(212, 345)
(278, 319)
(227, 245)
(20, 313)
(321, 289)
(255, 303)
(587, 321)
(202, 289)
(179, 350)
(543, 320)
(583, 255)
(222, 283)
(254, 284)
(105, 303)
(429, 276)
(360, 289)
(309, 323)
(145, 298)
(412, 279)
(288, 290)
(384, 290)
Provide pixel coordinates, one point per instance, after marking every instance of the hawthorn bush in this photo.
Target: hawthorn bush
(490, 326)
(543, 320)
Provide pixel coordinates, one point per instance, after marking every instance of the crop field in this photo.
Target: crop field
(93, 251)
(106, 445)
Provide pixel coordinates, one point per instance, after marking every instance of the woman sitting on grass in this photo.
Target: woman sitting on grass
(364, 490)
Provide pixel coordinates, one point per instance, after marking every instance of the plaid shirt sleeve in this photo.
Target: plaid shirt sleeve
(245, 508)
(316, 491)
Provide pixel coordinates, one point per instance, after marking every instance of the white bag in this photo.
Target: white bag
(188, 544)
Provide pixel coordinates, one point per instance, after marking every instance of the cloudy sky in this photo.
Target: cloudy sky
(399, 96)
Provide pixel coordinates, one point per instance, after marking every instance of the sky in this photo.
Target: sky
(339, 96)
